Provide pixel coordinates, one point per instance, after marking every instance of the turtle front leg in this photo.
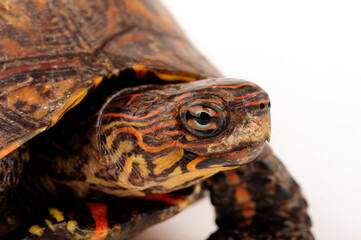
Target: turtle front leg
(259, 200)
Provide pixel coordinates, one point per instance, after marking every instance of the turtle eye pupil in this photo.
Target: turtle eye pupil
(203, 119)
(204, 116)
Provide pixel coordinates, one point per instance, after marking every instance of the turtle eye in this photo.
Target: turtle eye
(203, 120)
(200, 117)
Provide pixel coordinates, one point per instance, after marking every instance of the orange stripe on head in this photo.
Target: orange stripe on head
(153, 149)
(99, 211)
(201, 101)
(163, 135)
(140, 141)
(151, 114)
(225, 86)
(182, 96)
(257, 102)
(160, 126)
(132, 98)
(249, 95)
(125, 96)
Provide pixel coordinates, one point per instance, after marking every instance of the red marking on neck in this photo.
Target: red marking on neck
(99, 211)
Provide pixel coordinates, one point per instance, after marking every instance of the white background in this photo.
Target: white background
(307, 56)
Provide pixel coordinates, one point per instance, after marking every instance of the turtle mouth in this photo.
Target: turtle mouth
(234, 158)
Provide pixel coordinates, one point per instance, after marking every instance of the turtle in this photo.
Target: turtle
(111, 121)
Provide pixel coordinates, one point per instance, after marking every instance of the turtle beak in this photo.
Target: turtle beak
(262, 116)
(266, 119)
(269, 123)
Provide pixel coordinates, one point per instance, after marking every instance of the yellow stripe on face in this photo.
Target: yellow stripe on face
(123, 147)
(167, 161)
(191, 137)
(197, 175)
(190, 178)
(176, 172)
(143, 169)
(109, 141)
(128, 167)
(126, 123)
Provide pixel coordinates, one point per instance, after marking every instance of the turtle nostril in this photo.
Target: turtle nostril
(264, 105)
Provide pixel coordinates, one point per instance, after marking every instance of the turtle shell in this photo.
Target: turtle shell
(52, 53)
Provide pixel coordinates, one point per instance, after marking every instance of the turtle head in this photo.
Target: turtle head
(162, 138)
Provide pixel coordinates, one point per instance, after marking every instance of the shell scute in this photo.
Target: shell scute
(53, 52)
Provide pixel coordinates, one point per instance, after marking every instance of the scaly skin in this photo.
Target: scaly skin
(143, 142)
(259, 201)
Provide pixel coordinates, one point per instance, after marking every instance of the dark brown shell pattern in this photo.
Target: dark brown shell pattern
(52, 53)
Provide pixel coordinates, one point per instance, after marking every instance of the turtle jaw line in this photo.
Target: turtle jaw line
(239, 155)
